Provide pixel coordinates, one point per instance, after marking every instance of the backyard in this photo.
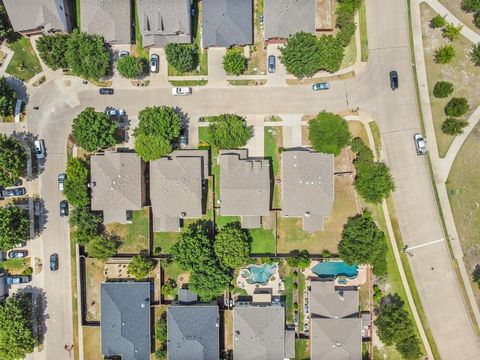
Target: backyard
(134, 237)
(24, 64)
(91, 343)
(273, 141)
(94, 270)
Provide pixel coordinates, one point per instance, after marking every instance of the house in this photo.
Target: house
(125, 320)
(111, 19)
(165, 21)
(117, 185)
(193, 332)
(226, 23)
(287, 17)
(176, 188)
(245, 187)
(336, 328)
(33, 17)
(307, 186)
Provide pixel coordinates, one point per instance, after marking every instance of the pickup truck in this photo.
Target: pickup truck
(182, 91)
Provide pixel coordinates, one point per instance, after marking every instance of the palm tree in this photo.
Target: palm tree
(445, 54)
(475, 54)
(452, 32)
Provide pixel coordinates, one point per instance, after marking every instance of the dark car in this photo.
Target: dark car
(106, 91)
(16, 254)
(14, 192)
(393, 80)
(271, 64)
(54, 262)
(18, 279)
(63, 208)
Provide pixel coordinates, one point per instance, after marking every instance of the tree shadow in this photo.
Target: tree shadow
(37, 165)
(38, 311)
(19, 87)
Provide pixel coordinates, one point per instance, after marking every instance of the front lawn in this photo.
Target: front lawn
(301, 349)
(134, 237)
(15, 266)
(24, 64)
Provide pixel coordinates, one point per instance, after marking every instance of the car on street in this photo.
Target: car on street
(321, 86)
(39, 146)
(61, 180)
(17, 254)
(20, 191)
(63, 208)
(154, 63)
(18, 279)
(183, 138)
(393, 80)
(420, 144)
(106, 91)
(54, 262)
(115, 112)
(182, 91)
(123, 53)
(271, 64)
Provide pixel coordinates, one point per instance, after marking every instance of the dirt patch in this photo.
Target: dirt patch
(305, 139)
(268, 222)
(343, 162)
(357, 129)
(94, 277)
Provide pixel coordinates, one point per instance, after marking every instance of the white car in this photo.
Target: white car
(420, 144)
(39, 149)
(182, 91)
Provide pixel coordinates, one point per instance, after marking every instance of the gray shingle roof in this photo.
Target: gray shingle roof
(227, 22)
(331, 302)
(244, 184)
(165, 21)
(307, 186)
(119, 185)
(111, 19)
(176, 188)
(193, 332)
(286, 17)
(28, 15)
(336, 339)
(125, 323)
(258, 332)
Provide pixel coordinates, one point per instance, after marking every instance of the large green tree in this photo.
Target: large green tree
(94, 130)
(87, 224)
(158, 128)
(300, 55)
(364, 243)
(5, 27)
(140, 266)
(374, 181)
(210, 280)
(330, 52)
(87, 55)
(329, 133)
(181, 56)
(194, 247)
(52, 50)
(102, 247)
(131, 67)
(232, 245)
(16, 327)
(229, 131)
(8, 98)
(14, 226)
(75, 187)
(13, 160)
(234, 62)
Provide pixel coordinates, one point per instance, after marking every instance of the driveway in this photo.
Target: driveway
(278, 77)
(216, 74)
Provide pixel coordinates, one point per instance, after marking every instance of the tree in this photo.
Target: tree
(329, 133)
(181, 56)
(330, 52)
(102, 247)
(232, 245)
(87, 55)
(194, 248)
(5, 27)
(169, 288)
(364, 243)
(452, 32)
(299, 260)
(234, 62)
(210, 280)
(87, 224)
(300, 55)
(437, 21)
(94, 130)
(442, 89)
(52, 50)
(161, 328)
(444, 54)
(13, 159)
(131, 67)
(476, 275)
(476, 19)
(8, 98)
(140, 266)
(346, 33)
(229, 131)
(75, 187)
(471, 6)
(475, 54)
(158, 128)
(14, 226)
(453, 126)
(457, 107)
(374, 182)
(16, 327)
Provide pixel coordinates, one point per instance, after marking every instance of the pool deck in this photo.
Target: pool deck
(277, 285)
(360, 279)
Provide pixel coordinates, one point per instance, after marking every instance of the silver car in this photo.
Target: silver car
(154, 60)
(420, 144)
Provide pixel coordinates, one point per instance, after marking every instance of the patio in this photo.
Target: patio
(274, 282)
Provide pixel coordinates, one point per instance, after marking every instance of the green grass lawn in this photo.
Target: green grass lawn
(171, 270)
(263, 241)
(301, 349)
(362, 17)
(24, 64)
(135, 236)
(165, 241)
(273, 138)
(350, 54)
(376, 136)
(140, 50)
(189, 82)
(15, 266)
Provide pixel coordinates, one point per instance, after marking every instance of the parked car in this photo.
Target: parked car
(420, 144)
(182, 91)
(183, 138)
(393, 80)
(271, 64)
(39, 146)
(63, 208)
(18, 279)
(54, 262)
(193, 11)
(17, 254)
(321, 86)
(123, 53)
(20, 191)
(61, 180)
(154, 63)
(106, 91)
(115, 112)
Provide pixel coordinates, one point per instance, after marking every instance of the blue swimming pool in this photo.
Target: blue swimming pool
(259, 274)
(332, 269)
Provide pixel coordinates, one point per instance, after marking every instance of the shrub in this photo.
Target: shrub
(234, 62)
(329, 133)
(471, 6)
(453, 126)
(444, 54)
(181, 56)
(475, 54)
(229, 131)
(131, 67)
(28, 271)
(102, 247)
(169, 288)
(452, 32)
(442, 89)
(346, 33)
(457, 107)
(299, 260)
(87, 224)
(161, 328)
(476, 19)
(140, 266)
(437, 22)
(476, 275)
(52, 50)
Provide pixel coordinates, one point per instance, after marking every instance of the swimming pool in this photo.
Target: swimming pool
(332, 269)
(259, 274)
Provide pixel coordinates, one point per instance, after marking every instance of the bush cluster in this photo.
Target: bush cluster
(437, 22)
(234, 62)
(131, 67)
(183, 57)
(472, 6)
(345, 19)
(13, 160)
(8, 98)
(442, 89)
(329, 133)
(457, 107)
(299, 260)
(229, 131)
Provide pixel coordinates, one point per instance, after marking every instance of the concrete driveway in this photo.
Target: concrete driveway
(278, 77)
(217, 77)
